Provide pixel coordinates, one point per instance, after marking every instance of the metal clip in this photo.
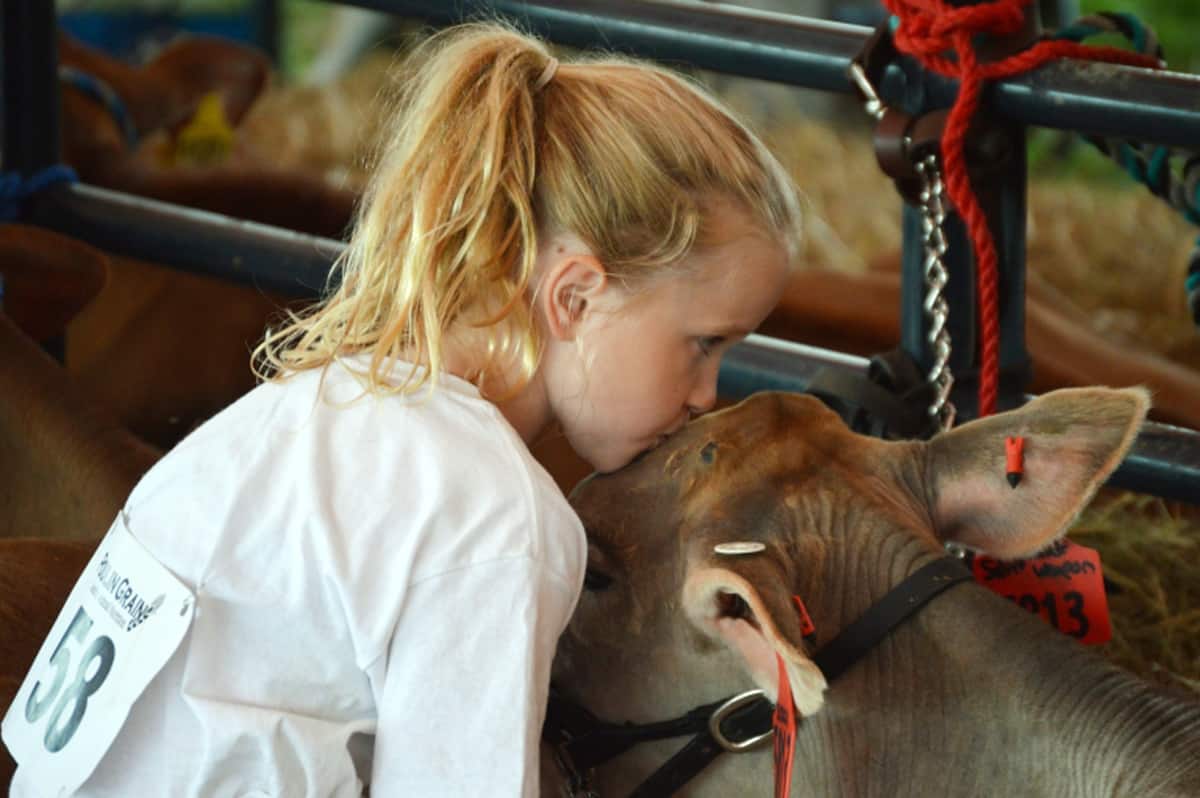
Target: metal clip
(866, 91)
(902, 142)
(722, 712)
(955, 549)
(866, 69)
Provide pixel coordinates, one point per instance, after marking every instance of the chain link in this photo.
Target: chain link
(933, 218)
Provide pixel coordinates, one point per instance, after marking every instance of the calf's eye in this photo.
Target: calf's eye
(709, 452)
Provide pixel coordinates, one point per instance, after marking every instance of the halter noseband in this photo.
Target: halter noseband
(582, 742)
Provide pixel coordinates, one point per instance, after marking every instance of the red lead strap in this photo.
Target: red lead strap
(784, 724)
(929, 30)
(784, 721)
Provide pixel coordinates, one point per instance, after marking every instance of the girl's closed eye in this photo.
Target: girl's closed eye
(709, 343)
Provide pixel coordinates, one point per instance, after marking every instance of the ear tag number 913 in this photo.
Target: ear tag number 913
(123, 620)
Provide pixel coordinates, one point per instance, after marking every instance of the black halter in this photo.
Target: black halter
(582, 741)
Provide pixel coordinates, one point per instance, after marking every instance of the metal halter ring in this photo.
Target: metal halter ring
(722, 712)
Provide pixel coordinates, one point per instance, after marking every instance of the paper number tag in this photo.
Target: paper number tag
(1064, 585)
(124, 618)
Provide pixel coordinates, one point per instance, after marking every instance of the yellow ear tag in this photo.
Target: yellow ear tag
(208, 138)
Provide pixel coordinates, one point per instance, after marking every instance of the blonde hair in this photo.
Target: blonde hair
(484, 162)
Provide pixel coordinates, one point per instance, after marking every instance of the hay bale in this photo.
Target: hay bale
(1150, 553)
(331, 130)
(1116, 251)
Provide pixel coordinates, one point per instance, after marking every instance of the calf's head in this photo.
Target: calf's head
(841, 518)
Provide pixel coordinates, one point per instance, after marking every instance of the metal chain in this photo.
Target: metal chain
(933, 218)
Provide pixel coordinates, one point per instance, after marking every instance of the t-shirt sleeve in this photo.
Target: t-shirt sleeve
(466, 680)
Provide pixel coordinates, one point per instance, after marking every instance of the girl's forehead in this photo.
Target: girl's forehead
(731, 287)
(745, 253)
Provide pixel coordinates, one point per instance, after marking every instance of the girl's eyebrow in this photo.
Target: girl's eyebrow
(730, 331)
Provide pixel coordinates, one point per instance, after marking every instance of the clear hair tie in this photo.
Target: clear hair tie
(547, 74)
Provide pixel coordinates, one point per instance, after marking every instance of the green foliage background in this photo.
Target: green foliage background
(1058, 155)
(1177, 23)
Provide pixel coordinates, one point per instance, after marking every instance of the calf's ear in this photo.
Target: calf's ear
(751, 611)
(1073, 439)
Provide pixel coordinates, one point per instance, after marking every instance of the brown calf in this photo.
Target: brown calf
(67, 463)
(972, 696)
(67, 466)
(48, 278)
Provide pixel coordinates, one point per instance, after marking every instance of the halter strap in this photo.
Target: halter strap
(584, 742)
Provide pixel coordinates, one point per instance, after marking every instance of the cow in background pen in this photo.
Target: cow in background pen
(131, 140)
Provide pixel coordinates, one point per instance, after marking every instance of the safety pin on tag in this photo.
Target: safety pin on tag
(739, 547)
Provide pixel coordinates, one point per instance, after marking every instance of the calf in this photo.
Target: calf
(970, 696)
(165, 350)
(46, 278)
(66, 466)
(66, 463)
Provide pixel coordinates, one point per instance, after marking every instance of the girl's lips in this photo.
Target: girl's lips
(652, 445)
(663, 437)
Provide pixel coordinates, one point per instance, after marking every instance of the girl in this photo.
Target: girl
(372, 569)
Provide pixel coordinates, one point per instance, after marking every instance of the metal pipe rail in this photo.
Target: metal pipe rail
(271, 258)
(1101, 99)
(1165, 460)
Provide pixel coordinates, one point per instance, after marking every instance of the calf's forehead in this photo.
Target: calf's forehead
(766, 443)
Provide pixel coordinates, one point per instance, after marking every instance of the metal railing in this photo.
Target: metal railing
(1102, 99)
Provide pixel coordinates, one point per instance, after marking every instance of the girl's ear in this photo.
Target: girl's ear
(1073, 439)
(571, 285)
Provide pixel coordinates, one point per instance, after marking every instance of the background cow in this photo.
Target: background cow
(66, 459)
(972, 696)
(160, 98)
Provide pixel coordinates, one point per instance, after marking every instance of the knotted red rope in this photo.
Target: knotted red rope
(928, 30)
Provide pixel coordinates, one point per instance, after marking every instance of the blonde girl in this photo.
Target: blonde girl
(380, 569)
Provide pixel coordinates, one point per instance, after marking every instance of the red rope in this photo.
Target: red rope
(928, 30)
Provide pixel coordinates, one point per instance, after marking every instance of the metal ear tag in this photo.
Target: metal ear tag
(739, 547)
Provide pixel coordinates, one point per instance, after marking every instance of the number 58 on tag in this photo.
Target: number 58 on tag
(124, 618)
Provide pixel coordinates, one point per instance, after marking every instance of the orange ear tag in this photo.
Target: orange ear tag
(806, 625)
(1064, 584)
(784, 724)
(1014, 460)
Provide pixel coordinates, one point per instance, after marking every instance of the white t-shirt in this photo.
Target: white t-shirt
(380, 585)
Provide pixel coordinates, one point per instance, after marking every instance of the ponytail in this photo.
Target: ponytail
(446, 233)
(496, 145)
